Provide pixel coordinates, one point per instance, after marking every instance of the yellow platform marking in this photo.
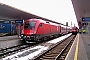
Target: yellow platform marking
(76, 51)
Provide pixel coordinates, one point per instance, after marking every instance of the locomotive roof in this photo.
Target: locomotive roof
(43, 21)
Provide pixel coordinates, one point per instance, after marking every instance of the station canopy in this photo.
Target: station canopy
(12, 13)
(82, 9)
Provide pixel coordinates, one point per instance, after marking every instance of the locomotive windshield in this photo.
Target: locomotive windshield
(74, 28)
(29, 25)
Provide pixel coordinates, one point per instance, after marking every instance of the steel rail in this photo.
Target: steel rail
(59, 55)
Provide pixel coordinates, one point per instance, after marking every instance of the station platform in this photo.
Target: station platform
(9, 38)
(80, 50)
(9, 41)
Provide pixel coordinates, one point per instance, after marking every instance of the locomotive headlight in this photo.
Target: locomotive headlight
(25, 36)
(34, 31)
(22, 35)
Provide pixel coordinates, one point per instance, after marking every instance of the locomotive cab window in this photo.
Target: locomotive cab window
(29, 25)
(40, 25)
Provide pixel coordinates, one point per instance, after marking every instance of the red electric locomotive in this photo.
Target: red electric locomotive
(36, 30)
(74, 30)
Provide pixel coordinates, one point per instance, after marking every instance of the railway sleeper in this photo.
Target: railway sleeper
(51, 55)
(44, 57)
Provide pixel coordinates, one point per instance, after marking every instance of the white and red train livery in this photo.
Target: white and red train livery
(36, 30)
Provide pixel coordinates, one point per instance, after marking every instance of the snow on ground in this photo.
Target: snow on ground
(30, 53)
(59, 39)
(27, 54)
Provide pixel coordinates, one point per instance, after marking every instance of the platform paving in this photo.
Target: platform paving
(82, 54)
(9, 41)
(83, 48)
(9, 37)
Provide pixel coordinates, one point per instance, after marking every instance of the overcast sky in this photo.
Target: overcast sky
(57, 10)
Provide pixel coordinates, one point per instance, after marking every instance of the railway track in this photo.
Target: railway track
(15, 49)
(12, 50)
(58, 52)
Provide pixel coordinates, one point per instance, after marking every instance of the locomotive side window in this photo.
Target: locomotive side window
(40, 25)
(29, 25)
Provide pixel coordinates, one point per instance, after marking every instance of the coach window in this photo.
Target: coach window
(40, 25)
